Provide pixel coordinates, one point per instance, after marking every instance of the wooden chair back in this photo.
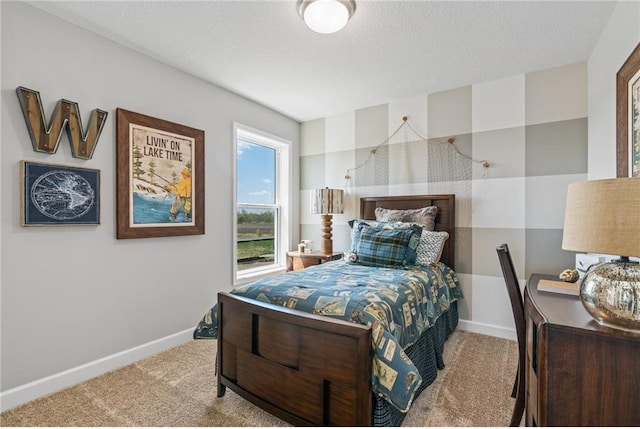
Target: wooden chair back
(517, 307)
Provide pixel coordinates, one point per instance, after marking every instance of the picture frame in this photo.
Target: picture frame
(159, 177)
(58, 195)
(628, 116)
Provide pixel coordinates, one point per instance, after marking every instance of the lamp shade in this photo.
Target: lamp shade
(327, 201)
(603, 216)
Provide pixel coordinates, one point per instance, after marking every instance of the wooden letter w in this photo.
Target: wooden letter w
(66, 114)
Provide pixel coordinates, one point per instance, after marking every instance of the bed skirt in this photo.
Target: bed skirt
(426, 355)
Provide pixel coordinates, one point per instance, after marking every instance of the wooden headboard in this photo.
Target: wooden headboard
(445, 218)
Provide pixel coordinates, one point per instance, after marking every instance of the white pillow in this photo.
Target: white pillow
(430, 247)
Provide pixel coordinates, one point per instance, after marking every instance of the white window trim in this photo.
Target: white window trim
(284, 171)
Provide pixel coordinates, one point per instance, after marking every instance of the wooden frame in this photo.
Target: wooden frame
(628, 122)
(303, 368)
(152, 199)
(59, 195)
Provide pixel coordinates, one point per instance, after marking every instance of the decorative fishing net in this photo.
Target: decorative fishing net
(420, 166)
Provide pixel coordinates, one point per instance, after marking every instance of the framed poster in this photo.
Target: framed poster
(160, 177)
(628, 116)
(59, 195)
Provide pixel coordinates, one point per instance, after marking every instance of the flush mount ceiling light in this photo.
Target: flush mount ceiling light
(326, 16)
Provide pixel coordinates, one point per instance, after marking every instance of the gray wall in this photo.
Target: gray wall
(75, 295)
(532, 129)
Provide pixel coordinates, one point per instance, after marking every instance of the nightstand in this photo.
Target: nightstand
(299, 261)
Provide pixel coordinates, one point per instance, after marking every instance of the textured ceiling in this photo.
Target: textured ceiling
(389, 50)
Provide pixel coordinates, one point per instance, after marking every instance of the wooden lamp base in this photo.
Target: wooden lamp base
(327, 242)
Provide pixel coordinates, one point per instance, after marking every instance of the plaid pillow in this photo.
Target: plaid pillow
(354, 224)
(387, 247)
(355, 230)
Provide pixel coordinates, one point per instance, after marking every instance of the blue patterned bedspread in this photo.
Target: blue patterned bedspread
(399, 305)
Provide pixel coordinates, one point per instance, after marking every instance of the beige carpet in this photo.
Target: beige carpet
(178, 388)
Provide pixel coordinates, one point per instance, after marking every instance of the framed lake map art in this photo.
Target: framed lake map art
(628, 116)
(59, 195)
(159, 177)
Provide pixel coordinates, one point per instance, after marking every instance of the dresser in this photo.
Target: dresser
(578, 372)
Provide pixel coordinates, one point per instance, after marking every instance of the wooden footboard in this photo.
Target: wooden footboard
(302, 368)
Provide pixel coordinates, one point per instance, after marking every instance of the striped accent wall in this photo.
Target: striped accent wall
(531, 128)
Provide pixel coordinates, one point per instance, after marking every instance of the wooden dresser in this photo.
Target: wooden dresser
(579, 373)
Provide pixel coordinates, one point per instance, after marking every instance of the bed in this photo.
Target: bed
(315, 369)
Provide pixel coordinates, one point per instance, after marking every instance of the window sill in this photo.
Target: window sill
(253, 275)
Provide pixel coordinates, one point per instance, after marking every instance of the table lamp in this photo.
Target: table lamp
(603, 216)
(326, 202)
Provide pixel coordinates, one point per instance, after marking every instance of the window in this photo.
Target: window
(261, 203)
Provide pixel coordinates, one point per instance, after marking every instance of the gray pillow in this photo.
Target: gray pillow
(425, 216)
(431, 246)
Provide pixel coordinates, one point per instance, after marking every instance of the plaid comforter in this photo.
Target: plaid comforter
(399, 305)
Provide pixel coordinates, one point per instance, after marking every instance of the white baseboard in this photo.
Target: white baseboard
(486, 329)
(27, 392)
(47, 385)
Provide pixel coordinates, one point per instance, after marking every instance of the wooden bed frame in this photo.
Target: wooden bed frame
(306, 369)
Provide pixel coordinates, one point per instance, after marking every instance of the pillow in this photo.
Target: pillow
(387, 247)
(355, 231)
(425, 216)
(430, 248)
(353, 224)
